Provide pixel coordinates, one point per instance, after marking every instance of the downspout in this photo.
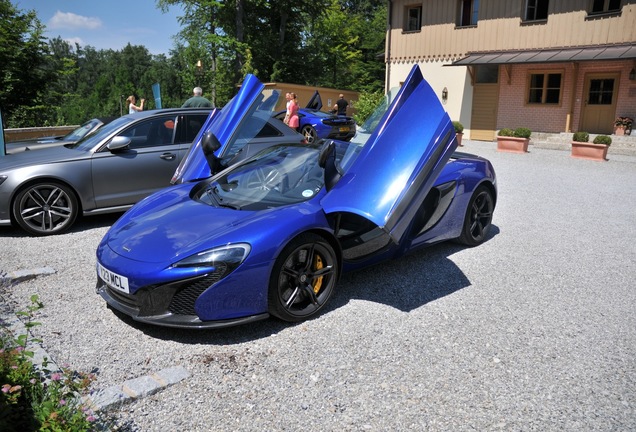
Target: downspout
(575, 78)
(387, 50)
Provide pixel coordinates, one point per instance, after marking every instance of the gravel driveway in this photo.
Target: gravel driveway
(533, 330)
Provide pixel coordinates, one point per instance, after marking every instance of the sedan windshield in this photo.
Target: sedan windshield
(90, 141)
(277, 176)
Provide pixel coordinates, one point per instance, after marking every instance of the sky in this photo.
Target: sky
(110, 24)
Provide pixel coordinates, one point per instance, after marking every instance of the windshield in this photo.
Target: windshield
(90, 141)
(82, 131)
(277, 176)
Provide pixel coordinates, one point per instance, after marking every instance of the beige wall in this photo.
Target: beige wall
(500, 28)
(304, 93)
(455, 79)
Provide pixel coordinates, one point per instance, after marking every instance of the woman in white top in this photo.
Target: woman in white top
(132, 107)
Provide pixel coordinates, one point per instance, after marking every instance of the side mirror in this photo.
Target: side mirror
(118, 143)
(209, 144)
(327, 161)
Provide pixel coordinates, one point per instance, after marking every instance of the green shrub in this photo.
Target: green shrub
(602, 139)
(581, 137)
(459, 128)
(506, 132)
(33, 398)
(522, 133)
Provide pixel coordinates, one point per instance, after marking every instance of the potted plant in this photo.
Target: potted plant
(459, 132)
(623, 125)
(596, 150)
(514, 141)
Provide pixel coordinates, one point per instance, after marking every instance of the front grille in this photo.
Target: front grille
(183, 301)
(123, 298)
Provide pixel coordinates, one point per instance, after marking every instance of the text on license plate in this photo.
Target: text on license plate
(112, 279)
(344, 129)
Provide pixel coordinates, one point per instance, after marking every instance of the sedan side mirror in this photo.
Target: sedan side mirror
(118, 143)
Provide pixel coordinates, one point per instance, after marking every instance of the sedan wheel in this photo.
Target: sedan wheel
(45, 208)
(478, 217)
(309, 133)
(303, 278)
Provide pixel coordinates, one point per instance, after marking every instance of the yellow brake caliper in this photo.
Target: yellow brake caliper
(318, 264)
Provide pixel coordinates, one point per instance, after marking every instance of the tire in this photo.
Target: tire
(303, 278)
(45, 208)
(309, 133)
(478, 217)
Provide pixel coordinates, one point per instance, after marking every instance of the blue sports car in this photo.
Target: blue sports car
(272, 234)
(316, 124)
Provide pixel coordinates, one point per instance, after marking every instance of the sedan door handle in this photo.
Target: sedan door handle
(168, 156)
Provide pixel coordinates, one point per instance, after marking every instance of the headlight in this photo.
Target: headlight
(230, 255)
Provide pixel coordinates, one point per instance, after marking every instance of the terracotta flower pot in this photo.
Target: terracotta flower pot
(459, 139)
(619, 130)
(590, 151)
(512, 144)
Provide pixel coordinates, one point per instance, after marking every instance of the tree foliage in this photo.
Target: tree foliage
(330, 43)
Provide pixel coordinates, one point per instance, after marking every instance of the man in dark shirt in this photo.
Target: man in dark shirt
(197, 101)
(341, 105)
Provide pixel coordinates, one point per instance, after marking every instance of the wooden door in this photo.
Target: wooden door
(599, 103)
(483, 118)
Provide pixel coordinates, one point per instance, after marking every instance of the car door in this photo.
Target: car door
(399, 162)
(226, 126)
(125, 176)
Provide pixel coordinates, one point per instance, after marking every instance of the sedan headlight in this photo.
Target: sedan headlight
(231, 256)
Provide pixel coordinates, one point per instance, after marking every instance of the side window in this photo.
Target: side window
(268, 131)
(536, 10)
(413, 18)
(152, 132)
(605, 6)
(544, 88)
(191, 125)
(487, 74)
(468, 13)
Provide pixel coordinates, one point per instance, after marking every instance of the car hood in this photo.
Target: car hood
(399, 162)
(224, 125)
(167, 225)
(41, 156)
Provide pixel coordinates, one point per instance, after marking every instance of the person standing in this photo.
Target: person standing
(132, 108)
(341, 105)
(294, 120)
(197, 101)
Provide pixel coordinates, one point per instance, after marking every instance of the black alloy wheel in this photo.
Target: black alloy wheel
(478, 217)
(309, 133)
(45, 208)
(303, 278)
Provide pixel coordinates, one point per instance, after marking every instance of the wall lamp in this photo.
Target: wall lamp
(445, 94)
(632, 74)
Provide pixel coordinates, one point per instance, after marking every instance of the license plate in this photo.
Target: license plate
(344, 129)
(112, 279)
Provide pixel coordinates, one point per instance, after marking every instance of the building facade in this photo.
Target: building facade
(550, 65)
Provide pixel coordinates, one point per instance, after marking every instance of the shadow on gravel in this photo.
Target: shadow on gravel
(406, 284)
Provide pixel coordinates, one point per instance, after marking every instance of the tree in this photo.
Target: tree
(23, 55)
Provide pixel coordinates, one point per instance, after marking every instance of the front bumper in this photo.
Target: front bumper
(167, 306)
